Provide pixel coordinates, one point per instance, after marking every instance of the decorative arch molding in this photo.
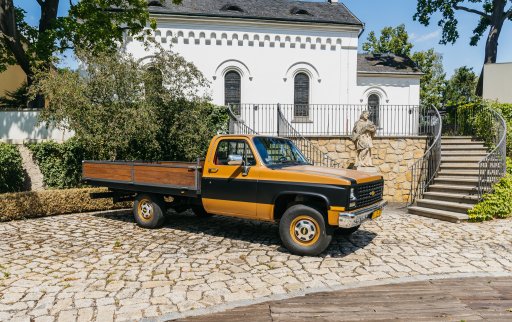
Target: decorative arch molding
(232, 64)
(146, 61)
(381, 93)
(302, 67)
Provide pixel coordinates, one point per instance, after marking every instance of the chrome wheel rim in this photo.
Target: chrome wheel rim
(146, 209)
(305, 230)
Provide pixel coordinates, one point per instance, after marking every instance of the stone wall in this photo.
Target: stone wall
(391, 156)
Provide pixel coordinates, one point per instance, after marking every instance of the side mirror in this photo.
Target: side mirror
(234, 159)
(245, 169)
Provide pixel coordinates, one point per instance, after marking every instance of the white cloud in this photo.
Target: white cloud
(426, 37)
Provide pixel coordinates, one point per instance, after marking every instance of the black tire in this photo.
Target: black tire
(199, 211)
(347, 231)
(300, 223)
(149, 211)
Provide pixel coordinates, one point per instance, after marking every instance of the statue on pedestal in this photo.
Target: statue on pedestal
(362, 135)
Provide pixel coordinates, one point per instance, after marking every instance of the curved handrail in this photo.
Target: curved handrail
(312, 152)
(424, 170)
(493, 166)
(237, 125)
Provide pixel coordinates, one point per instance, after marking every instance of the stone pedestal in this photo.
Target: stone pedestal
(367, 169)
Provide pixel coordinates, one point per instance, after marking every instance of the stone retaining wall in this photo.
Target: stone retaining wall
(392, 156)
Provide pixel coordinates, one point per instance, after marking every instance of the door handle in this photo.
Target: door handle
(213, 170)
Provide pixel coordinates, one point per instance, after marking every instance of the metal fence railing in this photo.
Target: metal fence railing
(494, 165)
(334, 119)
(424, 170)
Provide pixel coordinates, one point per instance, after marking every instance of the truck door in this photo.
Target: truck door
(226, 190)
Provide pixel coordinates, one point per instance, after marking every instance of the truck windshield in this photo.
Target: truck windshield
(275, 151)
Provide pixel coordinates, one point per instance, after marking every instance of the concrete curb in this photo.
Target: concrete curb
(389, 281)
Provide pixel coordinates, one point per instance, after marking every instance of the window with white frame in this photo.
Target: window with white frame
(233, 90)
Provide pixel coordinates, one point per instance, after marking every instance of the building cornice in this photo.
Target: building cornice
(389, 74)
(246, 22)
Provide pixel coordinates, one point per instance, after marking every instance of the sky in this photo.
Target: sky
(377, 14)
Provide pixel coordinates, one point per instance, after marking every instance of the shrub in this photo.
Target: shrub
(11, 169)
(31, 204)
(60, 163)
(496, 204)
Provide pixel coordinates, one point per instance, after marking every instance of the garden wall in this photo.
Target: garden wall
(391, 156)
(20, 126)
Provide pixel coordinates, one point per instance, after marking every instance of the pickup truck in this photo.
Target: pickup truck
(252, 177)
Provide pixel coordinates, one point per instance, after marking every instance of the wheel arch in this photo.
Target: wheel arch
(287, 198)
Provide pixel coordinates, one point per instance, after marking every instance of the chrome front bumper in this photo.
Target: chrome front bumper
(358, 216)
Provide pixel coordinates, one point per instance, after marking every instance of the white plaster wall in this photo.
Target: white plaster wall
(266, 56)
(22, 126)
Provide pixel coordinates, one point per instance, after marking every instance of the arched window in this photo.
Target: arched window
(301, 96)
(232, 90)
(373, 108)
(153, 84)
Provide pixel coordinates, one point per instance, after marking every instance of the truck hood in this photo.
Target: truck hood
(346, 174)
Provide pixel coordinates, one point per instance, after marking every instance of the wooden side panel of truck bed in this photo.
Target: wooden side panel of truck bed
(133, 175)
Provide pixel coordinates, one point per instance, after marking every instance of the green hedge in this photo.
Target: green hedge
(33, 204)
(498, 203)
(60, 163)
(11, 169)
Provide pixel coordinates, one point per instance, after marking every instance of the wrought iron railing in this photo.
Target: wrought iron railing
(237, 125)
(310, 150)
(425, 169)
(494, 165)
(334, 119)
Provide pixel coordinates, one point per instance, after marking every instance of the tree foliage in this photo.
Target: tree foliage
(120, 109)
(460, 88)
(492, 15)
(433, 81)
(90, 25)
(390, 41)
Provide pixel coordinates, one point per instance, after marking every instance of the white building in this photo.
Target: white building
(303, 55)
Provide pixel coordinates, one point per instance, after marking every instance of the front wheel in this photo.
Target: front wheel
(149, 211)
(303, 231)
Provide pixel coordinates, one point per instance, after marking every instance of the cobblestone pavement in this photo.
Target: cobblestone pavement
(104, 267)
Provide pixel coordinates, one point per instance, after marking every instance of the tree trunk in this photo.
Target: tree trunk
(491, 45)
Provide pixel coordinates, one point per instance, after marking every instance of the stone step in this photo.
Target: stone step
(457, 173)
(459, 181)
(450, 153)
(449, 188)
(455, 137)
(460, 141)
(459, 166)
(460, 159)
(452, 197)
(438, 214)
(457, 207)
(461, 147)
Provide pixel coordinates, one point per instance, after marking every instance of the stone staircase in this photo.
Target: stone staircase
(454, 190)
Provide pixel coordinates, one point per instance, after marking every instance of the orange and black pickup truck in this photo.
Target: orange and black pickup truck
(252, 177)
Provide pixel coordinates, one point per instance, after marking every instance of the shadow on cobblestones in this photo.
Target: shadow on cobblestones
(255, 232)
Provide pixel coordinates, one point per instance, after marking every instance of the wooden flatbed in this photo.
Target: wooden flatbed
(174, 178)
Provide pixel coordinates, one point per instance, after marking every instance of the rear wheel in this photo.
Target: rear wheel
(149, 211)
(303, 231)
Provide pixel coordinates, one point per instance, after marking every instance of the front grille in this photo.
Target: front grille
(369, 193)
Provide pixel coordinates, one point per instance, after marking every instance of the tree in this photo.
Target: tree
(118, 109)
(492, 14)
(460, 88)
(391, 41)
(433, 81)
(90, 25)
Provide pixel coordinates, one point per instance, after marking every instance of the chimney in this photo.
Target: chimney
(332, 1)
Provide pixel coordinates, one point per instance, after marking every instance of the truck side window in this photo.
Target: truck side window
(233, 147)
